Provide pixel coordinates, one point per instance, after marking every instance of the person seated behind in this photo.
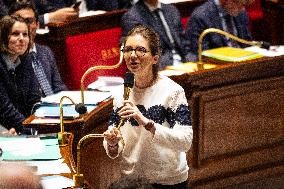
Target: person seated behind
(152, 13)
(17, 175)
(227, 15)
(56, 15)
(64, 7)
(43, 54)
(157, 131)
(18, 87)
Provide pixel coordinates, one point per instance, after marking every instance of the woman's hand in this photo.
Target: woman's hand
(112, 136)
(130, 110)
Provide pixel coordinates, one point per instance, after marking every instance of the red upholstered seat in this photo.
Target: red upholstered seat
(255, 10)
(87, 50)
(184, 21)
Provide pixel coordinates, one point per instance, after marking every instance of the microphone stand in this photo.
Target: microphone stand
(65, 139)
(200, 65)
(62, 135)
(78, 177)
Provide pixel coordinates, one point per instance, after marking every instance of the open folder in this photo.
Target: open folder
(50, 105)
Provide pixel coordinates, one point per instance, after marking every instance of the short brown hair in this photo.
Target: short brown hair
(6, 24)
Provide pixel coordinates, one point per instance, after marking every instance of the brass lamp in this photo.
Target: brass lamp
(200, 65)
(62, 135)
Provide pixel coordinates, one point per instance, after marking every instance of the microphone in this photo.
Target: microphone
(80, 108)
(128, 85)
(200, 65)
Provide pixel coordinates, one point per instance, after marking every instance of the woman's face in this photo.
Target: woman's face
(137, 55)
(18, 39)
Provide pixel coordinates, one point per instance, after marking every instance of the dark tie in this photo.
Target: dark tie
(158, 13)
(159, 16)
(40, 75)
(230, 29)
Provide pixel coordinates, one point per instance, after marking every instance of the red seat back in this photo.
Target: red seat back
(87, 50)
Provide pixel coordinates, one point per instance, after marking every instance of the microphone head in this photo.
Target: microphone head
(129, 80)
(80, 108)
(265, 45)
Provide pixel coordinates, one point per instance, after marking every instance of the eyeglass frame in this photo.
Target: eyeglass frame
(135, 51)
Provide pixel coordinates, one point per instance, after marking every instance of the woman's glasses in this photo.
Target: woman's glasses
(139, 51)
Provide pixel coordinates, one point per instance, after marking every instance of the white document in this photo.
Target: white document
(56, 182)
(107, 84)
(23, 146)
(91, 13)
(273, 50)
(90, 97)
(49, 167)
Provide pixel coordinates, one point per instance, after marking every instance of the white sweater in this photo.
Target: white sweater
(160, 158)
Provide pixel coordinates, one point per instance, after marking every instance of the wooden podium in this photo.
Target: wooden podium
(98, 169)
(238, 125)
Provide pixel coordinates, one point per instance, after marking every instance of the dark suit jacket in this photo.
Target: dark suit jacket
(18, 93)
(139, 14)
(4, 6)
(46, 58)
(53, 5)
(207, 16)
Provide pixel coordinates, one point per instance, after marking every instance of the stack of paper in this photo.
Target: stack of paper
(231, 54)
(90, 97)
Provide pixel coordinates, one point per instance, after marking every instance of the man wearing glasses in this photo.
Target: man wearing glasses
(43, 60)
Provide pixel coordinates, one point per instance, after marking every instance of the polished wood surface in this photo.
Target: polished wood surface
(238, 124)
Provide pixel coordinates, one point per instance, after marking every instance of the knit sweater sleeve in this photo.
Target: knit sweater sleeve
(179, 135)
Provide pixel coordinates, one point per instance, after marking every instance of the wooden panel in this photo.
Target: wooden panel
(240, 119)
(238, 125)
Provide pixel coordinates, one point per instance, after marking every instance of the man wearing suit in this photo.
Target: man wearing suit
(43, 54)
(165, 20)
(227, 15)
(52, 5)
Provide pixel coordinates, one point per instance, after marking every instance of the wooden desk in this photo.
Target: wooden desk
(238, 125)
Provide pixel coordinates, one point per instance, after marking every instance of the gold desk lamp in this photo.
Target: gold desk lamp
(200, 65)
